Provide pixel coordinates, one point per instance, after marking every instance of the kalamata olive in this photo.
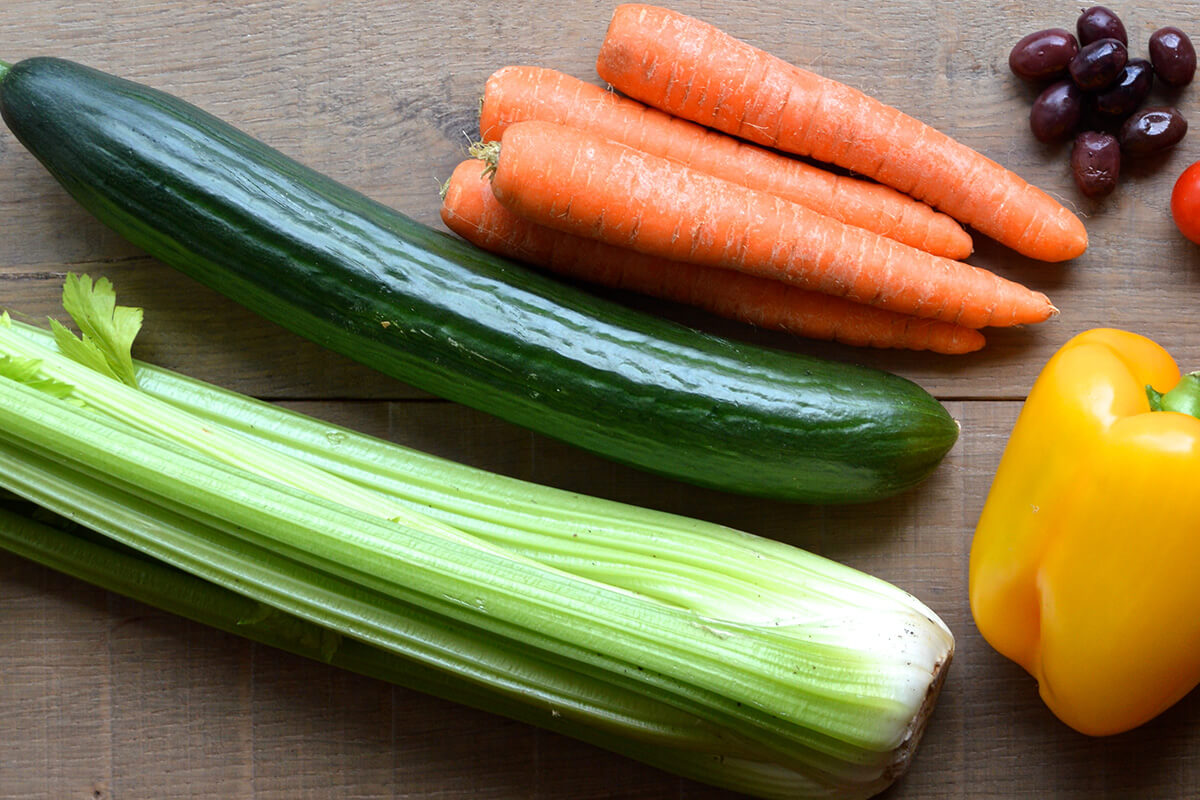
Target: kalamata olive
(1043, 54)
(1152, 130)
(1098, 64)
(1173, 56)
(1129, 91)
(1097, 23)
(1055, 113)
(1096, 163)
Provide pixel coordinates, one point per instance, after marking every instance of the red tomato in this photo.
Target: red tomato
(1185, 202)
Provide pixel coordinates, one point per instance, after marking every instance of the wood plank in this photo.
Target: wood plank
(55, 684)
(183, 689)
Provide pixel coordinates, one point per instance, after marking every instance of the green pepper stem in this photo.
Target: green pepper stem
(1184, 398)
(4, 68)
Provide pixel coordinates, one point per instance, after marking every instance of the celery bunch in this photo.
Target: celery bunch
(715, 654)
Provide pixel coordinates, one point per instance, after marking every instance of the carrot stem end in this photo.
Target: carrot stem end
(488, 153)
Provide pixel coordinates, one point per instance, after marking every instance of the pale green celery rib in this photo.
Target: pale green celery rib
(673, 559)
(321, 599)
(178, 592)
(735, 672)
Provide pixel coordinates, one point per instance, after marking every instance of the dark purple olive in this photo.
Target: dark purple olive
(1044, 54)
(1098, 23)
(1173, 56)
(1096, 163)
(1130, 90)
(1055, 113)
(1152, 130)
(1098, 64)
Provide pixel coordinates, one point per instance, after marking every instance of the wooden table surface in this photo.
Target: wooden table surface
(103, 698)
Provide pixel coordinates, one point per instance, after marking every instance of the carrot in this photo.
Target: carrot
(691, 69)
(582, 183)
(514, 94)
(470, 209)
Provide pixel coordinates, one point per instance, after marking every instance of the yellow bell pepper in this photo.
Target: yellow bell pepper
(1085, 565)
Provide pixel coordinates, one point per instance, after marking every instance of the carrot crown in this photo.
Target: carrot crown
(488, 153)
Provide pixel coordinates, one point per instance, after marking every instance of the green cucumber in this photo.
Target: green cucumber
(421, 306)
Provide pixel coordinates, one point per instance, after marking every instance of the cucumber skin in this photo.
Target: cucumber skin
(358, 278)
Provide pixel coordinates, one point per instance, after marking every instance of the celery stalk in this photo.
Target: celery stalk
(639, 713)
(640, 625)
(175, 591)
(743, 672)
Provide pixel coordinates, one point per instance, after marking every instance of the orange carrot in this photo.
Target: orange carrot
(582, 183)
(514, 94)
(470, 209)
(691, 69)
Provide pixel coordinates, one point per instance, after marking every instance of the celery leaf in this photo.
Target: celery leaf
(84, 351)
(28, 371)
(108, 329)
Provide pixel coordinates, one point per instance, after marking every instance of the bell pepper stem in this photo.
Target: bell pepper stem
(1184, 398)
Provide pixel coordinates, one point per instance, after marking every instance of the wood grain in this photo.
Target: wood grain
(103, 698)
